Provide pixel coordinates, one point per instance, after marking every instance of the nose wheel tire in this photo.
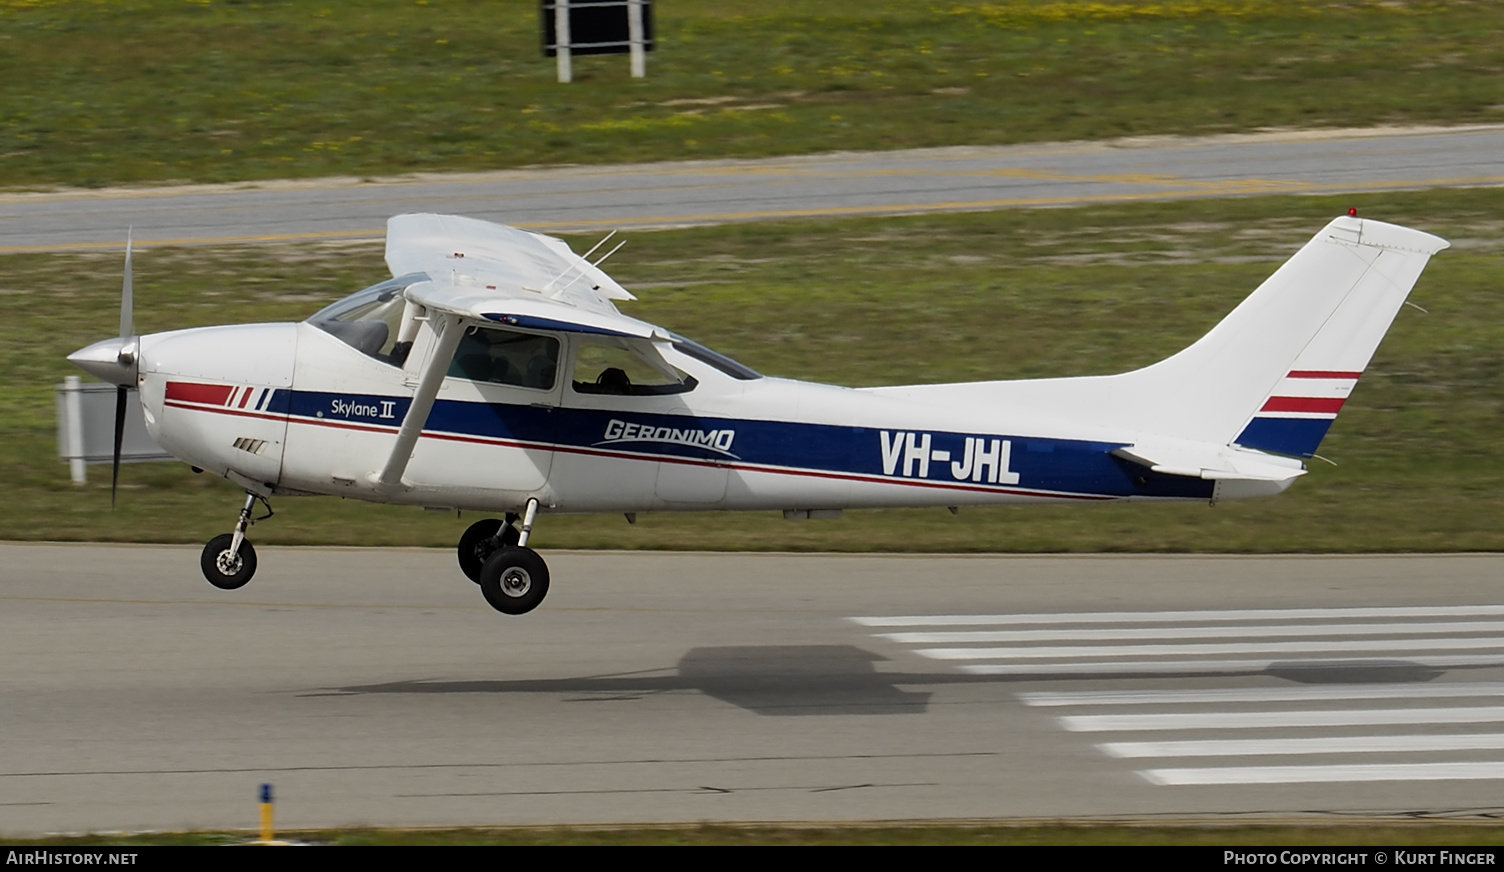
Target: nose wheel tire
(479, 542)
(514, 580)
(226, 569)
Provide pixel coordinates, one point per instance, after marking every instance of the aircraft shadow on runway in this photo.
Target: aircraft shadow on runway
(791, 680)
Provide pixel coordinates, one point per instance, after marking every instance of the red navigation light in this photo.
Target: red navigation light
(1352, 211)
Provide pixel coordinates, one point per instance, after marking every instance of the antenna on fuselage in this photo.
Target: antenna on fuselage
(609, 253)
(604, 239)
(584, 257)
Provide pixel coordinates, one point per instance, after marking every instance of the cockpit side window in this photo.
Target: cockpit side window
(370, 320)
(505, 357)
(609, 366)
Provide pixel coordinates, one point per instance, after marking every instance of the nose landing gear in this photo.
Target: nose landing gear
(229, 561)
(512, 577)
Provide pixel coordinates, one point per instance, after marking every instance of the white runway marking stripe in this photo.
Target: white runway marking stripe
(1262, 720)
(1150, 667)
(1415, 728)
(1167, 617)
(1308, 745)
(1309, 647)
(1479, 771)
(1225, 632)
(1258, 694)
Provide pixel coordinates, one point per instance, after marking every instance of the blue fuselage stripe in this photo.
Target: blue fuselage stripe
(991, 461)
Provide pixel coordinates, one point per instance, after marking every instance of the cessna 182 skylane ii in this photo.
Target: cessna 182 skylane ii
(493, 373)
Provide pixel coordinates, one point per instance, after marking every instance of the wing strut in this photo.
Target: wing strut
(450, 331)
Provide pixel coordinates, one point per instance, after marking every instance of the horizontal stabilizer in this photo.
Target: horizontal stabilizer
(1213, 463)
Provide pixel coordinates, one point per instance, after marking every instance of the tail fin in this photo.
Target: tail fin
(1271, 376)
(1274, 373)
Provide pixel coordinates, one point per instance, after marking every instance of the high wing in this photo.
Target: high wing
(484, 261)
(483, 272)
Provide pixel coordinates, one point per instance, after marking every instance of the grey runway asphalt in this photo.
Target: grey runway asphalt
(711, 192)
(375, 687)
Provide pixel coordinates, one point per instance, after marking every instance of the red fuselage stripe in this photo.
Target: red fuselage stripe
(188, 392)
(225, 410)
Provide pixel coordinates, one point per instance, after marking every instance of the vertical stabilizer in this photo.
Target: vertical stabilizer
(1270, 376)
(1274, 373)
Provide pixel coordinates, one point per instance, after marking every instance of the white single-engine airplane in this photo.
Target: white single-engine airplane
(494, 374)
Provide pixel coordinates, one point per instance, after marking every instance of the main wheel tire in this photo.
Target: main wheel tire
(514, 580)
(478, 543)
(224, 569)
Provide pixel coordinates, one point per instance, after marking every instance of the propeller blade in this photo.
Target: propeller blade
(119, 440)
(127, 327)
(127, 332)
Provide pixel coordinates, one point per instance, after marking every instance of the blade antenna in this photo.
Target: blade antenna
(597, 263)
(604, 240)
(609, 253)
(574, 266)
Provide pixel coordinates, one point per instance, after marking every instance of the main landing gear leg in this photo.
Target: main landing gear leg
(528, 517)
(229, 561)
(514, 580)
(484, 538)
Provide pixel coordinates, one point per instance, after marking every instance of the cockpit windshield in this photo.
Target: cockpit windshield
(370, 320)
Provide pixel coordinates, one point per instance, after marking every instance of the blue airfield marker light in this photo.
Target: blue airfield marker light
(266, 813)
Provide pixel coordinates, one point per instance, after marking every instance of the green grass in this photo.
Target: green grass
(1449, 835)
(860, 302)
(103, 93)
